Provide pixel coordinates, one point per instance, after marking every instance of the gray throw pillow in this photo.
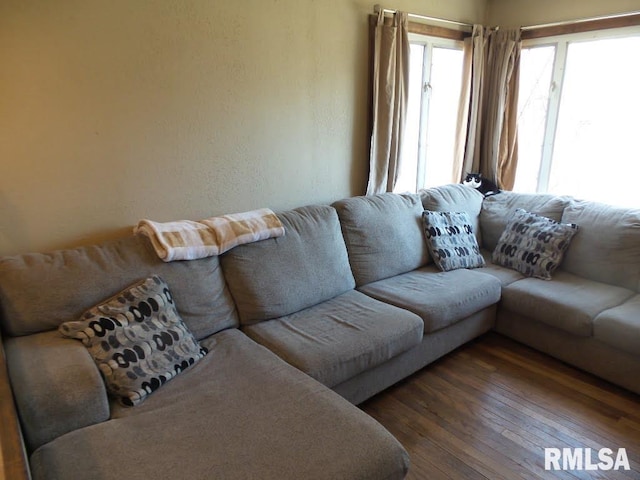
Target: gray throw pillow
(137, 339)
(451, 240)
(533, 245)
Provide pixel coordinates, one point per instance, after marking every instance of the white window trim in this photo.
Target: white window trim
(561, 44)
(429, 42)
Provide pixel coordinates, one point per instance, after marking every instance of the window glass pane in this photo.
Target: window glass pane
(446, 78)
(596, 152)
(409, 164)
(536, 66)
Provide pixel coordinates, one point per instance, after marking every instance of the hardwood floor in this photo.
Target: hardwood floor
(489, 409)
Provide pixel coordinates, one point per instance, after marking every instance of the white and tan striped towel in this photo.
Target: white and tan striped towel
(189, 240)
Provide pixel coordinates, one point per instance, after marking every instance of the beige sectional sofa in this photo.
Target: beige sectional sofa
(299, 329)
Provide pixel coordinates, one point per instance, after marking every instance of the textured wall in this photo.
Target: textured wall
(111, 111)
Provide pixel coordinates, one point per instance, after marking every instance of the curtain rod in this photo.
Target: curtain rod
(377, 9)
(581, 20)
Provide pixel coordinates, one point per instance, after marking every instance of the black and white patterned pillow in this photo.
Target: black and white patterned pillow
(532, 244)
(137, 339)
(451, 240)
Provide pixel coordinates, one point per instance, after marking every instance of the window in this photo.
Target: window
(577, 122)
(435, 77)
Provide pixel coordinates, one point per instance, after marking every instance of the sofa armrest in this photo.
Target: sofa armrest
(56, 385)
(13, 459)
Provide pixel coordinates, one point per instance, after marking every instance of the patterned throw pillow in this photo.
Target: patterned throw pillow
(451, 240)
(137, 339)
(533, 245)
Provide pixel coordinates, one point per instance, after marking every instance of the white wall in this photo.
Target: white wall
(112, 111)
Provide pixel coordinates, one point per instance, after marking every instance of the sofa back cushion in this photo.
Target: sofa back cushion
(455, 198)
(498, 209)
(384, 235)
(40, 291)
(607, 248)
(280, 276)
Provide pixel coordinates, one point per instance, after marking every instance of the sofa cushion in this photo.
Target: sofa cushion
(620, 326)
(503, 274)
(497, 209)
(439, 298)
(340, 338)
(451, 241)
(384, 235)
(455, 198)
(533, 245)
(137, 340)
(568, 302)
(277, 423)
(608, 246)
(280, 276)
(56, 386)
(40, 291)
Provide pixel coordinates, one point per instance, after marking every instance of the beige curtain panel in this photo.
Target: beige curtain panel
(487, 136)
(390, 93)
(467, 156)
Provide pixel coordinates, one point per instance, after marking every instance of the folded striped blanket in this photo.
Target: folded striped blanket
(189, 240)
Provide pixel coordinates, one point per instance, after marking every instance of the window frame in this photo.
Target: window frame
(429, 42)
(561, 43)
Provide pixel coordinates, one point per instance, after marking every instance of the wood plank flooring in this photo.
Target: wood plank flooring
(488, 410)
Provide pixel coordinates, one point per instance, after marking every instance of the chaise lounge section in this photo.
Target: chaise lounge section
(241, 412)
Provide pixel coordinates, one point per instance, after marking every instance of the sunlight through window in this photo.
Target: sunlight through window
(577, 118)
(596, 153)
(435, 78)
